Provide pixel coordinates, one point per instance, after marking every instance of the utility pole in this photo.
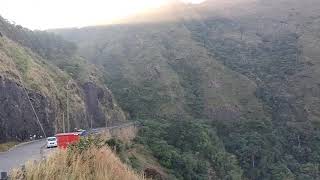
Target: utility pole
(91, 121)
(63, 125)
(68, 116)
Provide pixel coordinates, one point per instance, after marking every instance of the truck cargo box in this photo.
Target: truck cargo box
(64, 139)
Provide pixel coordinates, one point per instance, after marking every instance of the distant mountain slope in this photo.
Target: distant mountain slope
(172, 72)
(249, 69)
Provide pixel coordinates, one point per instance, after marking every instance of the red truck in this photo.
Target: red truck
(64, 139)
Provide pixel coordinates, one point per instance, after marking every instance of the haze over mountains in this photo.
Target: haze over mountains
(224, 89)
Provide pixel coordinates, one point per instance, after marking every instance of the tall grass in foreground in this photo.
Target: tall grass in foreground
(91, 164)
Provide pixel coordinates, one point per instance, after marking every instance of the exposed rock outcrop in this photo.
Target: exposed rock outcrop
(17, 119)
(100, 105)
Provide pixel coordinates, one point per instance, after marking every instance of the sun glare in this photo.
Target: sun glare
(45, 14)
(193, 1)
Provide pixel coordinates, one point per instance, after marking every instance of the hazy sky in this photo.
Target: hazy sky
(46, 14)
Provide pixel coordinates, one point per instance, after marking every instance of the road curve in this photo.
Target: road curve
(20, 154)
(31, 151)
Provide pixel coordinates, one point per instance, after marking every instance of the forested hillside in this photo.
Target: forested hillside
(225, 90)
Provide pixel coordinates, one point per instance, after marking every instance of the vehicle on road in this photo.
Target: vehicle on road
(65, 139)
(52, 142)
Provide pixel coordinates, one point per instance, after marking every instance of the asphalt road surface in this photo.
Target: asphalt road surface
(22, 153)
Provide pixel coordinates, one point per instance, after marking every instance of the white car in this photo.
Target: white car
(52, 142)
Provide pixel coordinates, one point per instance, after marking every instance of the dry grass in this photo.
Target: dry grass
(93, 164)
(6, 146)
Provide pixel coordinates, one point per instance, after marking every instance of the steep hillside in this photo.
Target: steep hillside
(245, 72)
(63, 98)
(172, 73)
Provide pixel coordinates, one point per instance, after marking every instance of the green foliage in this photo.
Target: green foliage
(281, 172)
(190, 79)
(135, 163)
(85, 143)
(140, 101)
(189, 149)
(116, 145)
(266, 149)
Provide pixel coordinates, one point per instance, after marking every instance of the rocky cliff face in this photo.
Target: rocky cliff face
(100, 105)
(17, 119)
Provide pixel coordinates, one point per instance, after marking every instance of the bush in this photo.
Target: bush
(116, 145)
(85, 144)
